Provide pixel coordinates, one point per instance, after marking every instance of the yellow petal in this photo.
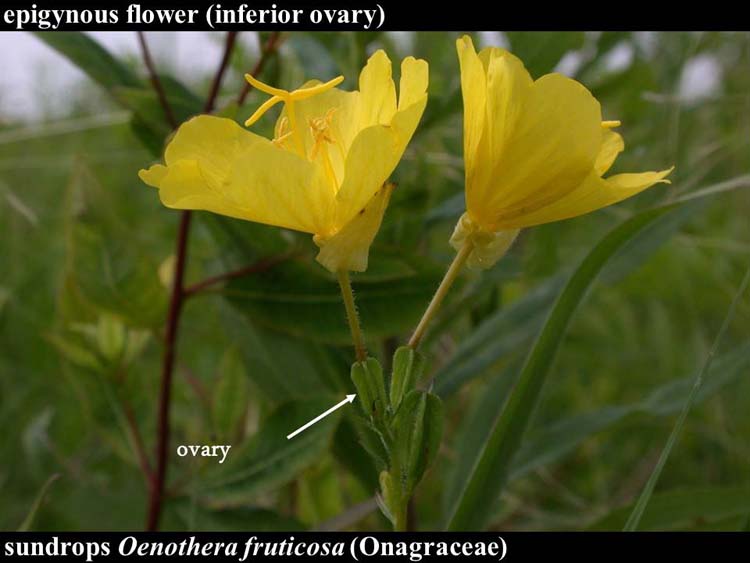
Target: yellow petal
(154, 175)
(349, 248)
(474, 91)
(372, 158)
(594, 193)
(552, 149)
(509, 90)
(198, 138)
(215, 165)
(414, 80)
(377, 91)
(612, 145)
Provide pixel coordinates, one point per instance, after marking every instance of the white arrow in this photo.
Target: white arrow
(349, 399)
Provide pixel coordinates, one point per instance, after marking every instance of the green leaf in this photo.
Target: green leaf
(110, 335)
(474, 431)
(640, 506)
(550, 443)
(233, 519)
(367, 377)
(93, 59)
(682, 509)
(354, 455)
(499, 336)
(282, 367)
(417, 427)
(320, 494)
(108, 270)
(230, 398)
(642, 246)
(28, 522)
(491, 472)
(149, 121)
(408, 367)
(269, 460)
(76, 353)
(301, 299)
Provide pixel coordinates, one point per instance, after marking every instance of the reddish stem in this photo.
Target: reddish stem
(165, 391)
(179, 293)
(140, 449)
(256, 268)
(219, 76)
(155, 82)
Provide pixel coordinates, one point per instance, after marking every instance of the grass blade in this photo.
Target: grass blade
(640, 506)
(491, 470)
(31, 516)
(694, 509)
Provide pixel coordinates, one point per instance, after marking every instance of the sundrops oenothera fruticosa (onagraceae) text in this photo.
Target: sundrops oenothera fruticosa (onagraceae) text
(534, 152)
(324, 173)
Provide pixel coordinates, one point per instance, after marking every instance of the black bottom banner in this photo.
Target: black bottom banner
(364, 546)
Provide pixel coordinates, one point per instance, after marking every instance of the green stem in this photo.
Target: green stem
(401, 503)
(401, 518)
(351, 315)
(450, 276)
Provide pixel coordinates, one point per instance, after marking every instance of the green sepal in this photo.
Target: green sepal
(367, 377)
(417, 428)
(408, 366)
(387, 498)
(371, 439)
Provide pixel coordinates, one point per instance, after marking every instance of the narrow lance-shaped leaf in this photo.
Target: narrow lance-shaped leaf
(640, 506)
(491, 472)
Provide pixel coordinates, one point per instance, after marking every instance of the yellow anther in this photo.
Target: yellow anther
(279, 141)
(320, 126)
(282, 126)
(610, 124)
(320, 129)
(281, 132)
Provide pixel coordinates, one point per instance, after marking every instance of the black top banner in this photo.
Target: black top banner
(377, 15)
(372, 546)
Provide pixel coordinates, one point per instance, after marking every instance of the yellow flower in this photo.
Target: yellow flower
(324, 173)
(534, 152)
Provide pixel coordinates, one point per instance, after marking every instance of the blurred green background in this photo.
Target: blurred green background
(86, 254)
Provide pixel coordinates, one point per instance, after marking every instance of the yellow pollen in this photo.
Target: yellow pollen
(321, 134)
(281, 134)
(611, 124)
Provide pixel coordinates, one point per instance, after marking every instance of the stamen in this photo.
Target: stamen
(279, 141)
(611, 124)
(320, 131)
(299, 143)
(281, 127)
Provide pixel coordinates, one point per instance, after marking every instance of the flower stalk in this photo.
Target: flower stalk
(352, 316)
(450, 276)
